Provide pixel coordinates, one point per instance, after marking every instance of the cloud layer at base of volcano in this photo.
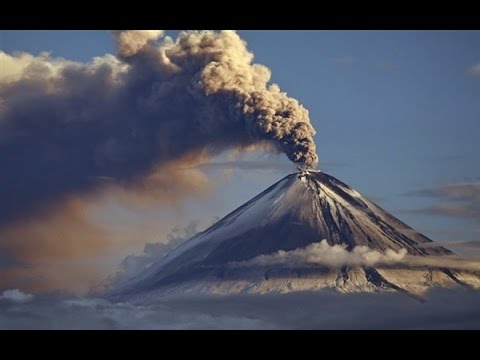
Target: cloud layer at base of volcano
(444, 309)
(336, 256)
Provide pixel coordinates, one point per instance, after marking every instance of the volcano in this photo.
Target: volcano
(299, 210)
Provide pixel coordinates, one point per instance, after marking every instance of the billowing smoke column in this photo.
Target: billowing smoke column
(123, 117)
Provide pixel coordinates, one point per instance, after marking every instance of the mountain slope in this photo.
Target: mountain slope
(297, 211)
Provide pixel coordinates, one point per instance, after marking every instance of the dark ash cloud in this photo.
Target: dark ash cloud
(122, 118)
(135, 123)
(444, 309)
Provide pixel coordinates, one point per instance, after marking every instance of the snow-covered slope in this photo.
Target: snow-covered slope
(301, 209)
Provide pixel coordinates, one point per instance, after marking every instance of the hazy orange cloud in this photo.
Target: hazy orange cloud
(69, 248)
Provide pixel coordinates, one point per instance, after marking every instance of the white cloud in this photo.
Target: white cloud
(15, 295)
(337, 256)
(475, 70)
(332, 256)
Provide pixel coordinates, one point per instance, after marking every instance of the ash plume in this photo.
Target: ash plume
(124, 117)
(130, 42)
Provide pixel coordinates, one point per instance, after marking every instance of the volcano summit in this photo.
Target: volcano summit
(307, 232)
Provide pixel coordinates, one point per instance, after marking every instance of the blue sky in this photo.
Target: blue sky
(395, 112)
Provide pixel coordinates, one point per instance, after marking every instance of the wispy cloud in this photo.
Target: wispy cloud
(336, 256)
(259, 165)
(474, 70)
(461, 200)
(378, 199)
(386, 65)
(131, 265)
(466, 248)
(464, 211)
(249, 165)
(344, 60)
(460, 243)
(321, 253)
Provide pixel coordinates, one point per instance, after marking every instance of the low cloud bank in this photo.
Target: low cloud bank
(444, 309)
